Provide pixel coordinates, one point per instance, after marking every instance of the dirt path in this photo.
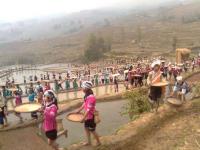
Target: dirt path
(194, 78)
(26, 139)
(178, 132)
(182, 132)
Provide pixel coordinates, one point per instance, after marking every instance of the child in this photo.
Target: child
(50, 124)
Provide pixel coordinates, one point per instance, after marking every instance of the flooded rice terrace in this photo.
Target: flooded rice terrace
(67, 96)
(19, 72)
(111, 120)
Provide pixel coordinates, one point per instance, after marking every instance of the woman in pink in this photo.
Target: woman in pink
(49, 124)
(89, 109)
(18, 101)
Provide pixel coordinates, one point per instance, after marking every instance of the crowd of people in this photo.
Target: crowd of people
(134, 75)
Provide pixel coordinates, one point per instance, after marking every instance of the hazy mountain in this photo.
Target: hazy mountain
(67, 24)
(62, 37)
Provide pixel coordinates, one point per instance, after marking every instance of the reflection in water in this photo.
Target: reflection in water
(19, 78)
(106, 89)
(98, 91)
(19, 75)
(111, 89)
(75, 95)
(67, 95)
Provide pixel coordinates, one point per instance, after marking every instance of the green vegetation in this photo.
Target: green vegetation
(137, 102)
(95, 49)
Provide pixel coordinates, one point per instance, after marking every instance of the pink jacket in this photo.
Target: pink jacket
(50, 113)
(89, 106)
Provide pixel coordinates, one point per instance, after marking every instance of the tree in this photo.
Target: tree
(95, 48)
(137, 103)
(92, 52)
(101, 44)
(108, 44)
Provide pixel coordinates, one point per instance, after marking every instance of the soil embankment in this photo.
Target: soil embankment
(22, 139)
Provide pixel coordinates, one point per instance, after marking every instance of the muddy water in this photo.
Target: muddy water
(111, 121)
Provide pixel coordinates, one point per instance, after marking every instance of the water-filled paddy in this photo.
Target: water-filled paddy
(111, 117)
(98, 91)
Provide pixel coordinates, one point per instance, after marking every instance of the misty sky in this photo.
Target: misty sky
(13, 10)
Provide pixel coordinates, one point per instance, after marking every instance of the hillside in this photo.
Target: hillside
(133, 32)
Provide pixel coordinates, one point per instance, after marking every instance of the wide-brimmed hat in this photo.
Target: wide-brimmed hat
(86, 85)
(157, 62)
(49, 93)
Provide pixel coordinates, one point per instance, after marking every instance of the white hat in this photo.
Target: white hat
(49, 93)
(179, 78)
(157, 62)
(86, 85)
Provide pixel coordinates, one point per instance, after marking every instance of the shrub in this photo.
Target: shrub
(137, 103)
(95, 48)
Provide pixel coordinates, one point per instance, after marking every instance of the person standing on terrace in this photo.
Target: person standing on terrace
(89, 107)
